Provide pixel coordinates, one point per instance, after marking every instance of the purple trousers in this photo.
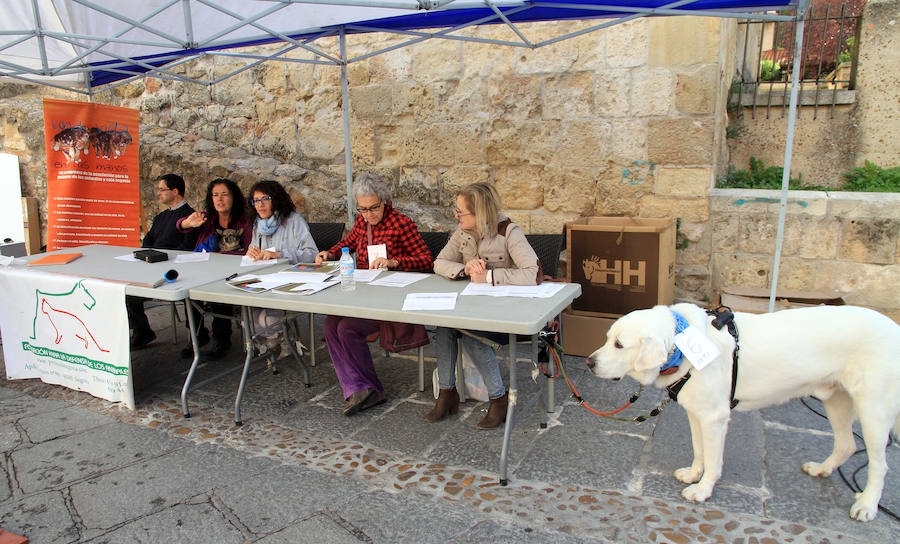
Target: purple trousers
(346, 339)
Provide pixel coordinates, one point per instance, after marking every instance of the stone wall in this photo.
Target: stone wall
(626, 121)
(833, 240)
(828, 143)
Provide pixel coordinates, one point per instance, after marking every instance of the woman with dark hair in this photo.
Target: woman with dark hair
(277, 226)
(486, 248)
(224, 228)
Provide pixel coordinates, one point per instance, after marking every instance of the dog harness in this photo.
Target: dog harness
(722, 316)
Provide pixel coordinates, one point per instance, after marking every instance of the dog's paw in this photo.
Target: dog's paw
(819, 470)
(696, 493)
(862, 510)
(688, 475)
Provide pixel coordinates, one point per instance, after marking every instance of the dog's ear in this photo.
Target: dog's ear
(652, 354)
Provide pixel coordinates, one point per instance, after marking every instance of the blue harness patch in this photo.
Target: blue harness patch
(676, 357)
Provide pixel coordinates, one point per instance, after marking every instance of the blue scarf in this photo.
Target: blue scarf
(677, 356)
(267, 226)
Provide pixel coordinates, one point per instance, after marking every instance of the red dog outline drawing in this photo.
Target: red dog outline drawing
(59, 317)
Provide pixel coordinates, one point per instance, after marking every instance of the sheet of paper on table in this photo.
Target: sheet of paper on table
(128, 258)
(365, 276)
(307, 288)
(429, 301)
(399, 279)
(544, 290)
(196, 257)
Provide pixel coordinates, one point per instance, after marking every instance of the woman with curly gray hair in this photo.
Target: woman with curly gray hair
(378, 223)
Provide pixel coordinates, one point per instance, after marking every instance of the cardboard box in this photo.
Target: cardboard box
(622, 264)
(582, 334)
(30, 213)
(756, 299)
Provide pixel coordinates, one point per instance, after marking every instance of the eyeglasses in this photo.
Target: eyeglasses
(458, 213)
(255, 201)
(370, 209)
(162, 189)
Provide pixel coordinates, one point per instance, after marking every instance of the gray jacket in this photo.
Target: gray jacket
(508, 254)
(292, 239)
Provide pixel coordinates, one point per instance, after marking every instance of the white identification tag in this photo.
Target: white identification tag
(699, 350)
(376, 251)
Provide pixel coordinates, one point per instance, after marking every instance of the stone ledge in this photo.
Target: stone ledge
(833, 203)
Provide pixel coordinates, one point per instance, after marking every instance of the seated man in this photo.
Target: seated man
(162, 235)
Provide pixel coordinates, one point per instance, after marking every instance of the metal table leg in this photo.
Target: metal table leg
(510, 410)
(248, 347)
(192, 326)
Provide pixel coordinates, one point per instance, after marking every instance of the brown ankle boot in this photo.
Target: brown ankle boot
(447, 402)
(496, 413)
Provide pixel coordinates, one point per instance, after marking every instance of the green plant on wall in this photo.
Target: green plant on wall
(758, 177)
(769, 70)
(872, 178)
(847, 54)
(869, 178)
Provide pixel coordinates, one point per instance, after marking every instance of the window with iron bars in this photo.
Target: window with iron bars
(828, 59)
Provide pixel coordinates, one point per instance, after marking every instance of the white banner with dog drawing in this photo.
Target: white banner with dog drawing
(66, 331)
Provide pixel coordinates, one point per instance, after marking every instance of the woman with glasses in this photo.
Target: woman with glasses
(378, 224)
(223, 227)
(282, 231)
(278, 229)
(486, 248)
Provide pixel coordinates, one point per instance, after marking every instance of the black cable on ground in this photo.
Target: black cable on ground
(852, 484)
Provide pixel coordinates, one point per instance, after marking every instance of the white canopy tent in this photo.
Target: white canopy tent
(85, 45)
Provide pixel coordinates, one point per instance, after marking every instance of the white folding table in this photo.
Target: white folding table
(510, 315)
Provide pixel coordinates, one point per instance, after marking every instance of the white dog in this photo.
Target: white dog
(849, 357)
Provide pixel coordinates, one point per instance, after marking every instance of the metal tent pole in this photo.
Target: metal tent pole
(788, 147)
(345, 100)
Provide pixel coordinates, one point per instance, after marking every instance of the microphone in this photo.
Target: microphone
(170, 276)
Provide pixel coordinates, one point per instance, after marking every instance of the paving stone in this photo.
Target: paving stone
(320, 529)
(823, 502)
(793, 413)
(56, 462)
(742, 461)
(154, 484)
(724, 497)
(9, 438)
(14, 407)
(575, 451)
(41, 518)
(62, 422)
(464, 445)
(6, 393)
(283, 495)
(502, 531)
(379, 517)
(5, 489)
(181, 523)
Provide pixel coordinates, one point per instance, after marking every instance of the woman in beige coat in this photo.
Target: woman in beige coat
(486, 248)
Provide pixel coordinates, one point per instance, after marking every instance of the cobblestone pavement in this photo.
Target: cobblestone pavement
(581, 479)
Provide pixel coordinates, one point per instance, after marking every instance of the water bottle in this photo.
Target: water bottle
(348, 282)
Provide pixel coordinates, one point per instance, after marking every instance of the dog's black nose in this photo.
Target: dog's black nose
(589, 362)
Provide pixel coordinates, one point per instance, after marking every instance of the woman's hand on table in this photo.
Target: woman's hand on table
(321, 257)
(262, 254)
(383, 263)
(475, 267)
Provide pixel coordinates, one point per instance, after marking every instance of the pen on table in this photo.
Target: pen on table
(231, 277)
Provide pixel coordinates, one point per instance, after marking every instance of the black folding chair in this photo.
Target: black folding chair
(547, 247)
(435, 241)
(326, 235)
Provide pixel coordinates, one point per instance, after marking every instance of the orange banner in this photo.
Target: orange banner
(93, 177)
